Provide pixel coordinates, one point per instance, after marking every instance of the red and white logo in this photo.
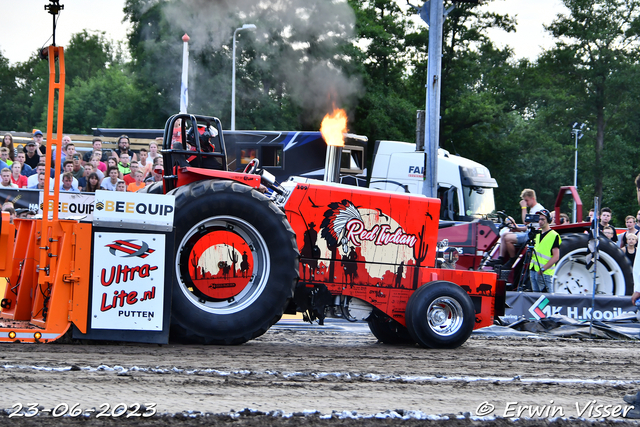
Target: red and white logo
(343, 225)
(129, 248)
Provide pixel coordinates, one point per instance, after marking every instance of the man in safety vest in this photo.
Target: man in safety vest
(546, 253)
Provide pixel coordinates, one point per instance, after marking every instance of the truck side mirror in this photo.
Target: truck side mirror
(447, 197)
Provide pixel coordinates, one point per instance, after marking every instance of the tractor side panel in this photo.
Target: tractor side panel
(376, 247)
(364, 243)
(351, 236)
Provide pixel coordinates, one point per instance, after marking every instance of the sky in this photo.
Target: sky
(530, 37)
(27, 26)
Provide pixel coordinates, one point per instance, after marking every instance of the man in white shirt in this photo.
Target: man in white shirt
(110, 182)
(33, 179)
(634, 398)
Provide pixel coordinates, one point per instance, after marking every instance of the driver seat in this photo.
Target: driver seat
(179, 159)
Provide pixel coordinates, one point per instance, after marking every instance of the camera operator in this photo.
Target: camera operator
(546, 253)
(518, 235)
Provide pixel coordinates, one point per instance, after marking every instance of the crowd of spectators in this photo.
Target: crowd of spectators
(628, 239)
(122, 169)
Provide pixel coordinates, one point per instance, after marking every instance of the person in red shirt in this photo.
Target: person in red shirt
(137, 184)
(16, 177)
(130, 177)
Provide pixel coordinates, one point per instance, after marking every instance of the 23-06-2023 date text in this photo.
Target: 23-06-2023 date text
(29, 410)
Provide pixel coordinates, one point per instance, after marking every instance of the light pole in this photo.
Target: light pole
(233, 76)
(576, 131)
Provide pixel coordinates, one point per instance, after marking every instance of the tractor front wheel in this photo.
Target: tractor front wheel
(440, 315)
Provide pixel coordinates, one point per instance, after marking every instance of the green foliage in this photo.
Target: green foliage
(9, 93)
(32, 78)
(597, 51)
(87, 55)
(110, 99)
(479, 101)
(385, 111)
(370, 57)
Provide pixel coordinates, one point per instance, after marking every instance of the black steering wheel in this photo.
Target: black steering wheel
(505, 219)
(252, 166)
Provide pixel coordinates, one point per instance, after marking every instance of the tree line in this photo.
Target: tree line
(511, 114)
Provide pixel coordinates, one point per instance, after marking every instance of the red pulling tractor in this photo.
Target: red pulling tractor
(249, 249)
(217, 257)
(232, 254)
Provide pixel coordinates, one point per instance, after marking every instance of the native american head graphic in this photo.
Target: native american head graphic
(334, 223)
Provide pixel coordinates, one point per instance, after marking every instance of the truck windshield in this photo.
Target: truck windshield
(478, 201)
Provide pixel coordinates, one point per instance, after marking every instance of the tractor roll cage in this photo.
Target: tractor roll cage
(176, 157)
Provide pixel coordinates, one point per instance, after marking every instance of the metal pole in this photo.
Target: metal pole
(233, 76)
(54, 29)
(420, 126)
(575, 179)
(233, 84)
(595, 230)
(184, 83)
(432, 123)
(576, 131)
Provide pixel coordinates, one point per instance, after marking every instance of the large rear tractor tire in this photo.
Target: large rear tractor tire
(440, 315)
(154, 188)
(387, 330)
(614, 271)
(236, 263)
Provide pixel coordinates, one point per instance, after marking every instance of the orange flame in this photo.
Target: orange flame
(333, 127)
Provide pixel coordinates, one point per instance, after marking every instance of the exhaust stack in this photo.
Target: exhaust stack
(333, 127)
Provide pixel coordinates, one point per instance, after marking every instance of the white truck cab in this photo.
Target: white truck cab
(465, 187)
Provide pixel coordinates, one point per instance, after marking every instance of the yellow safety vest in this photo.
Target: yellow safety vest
(542, 251)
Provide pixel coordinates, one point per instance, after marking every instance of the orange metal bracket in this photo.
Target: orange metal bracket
(49, 269)
(7, 234)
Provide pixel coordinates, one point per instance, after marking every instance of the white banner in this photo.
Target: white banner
(72, 206)
(142, 208)
(128, 281)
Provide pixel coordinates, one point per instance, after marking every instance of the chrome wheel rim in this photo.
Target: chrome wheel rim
(445, 316)
(259, 273)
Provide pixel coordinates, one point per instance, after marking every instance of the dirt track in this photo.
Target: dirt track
(326, 371)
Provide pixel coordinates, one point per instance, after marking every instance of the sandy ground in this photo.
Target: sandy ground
(325, 369)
